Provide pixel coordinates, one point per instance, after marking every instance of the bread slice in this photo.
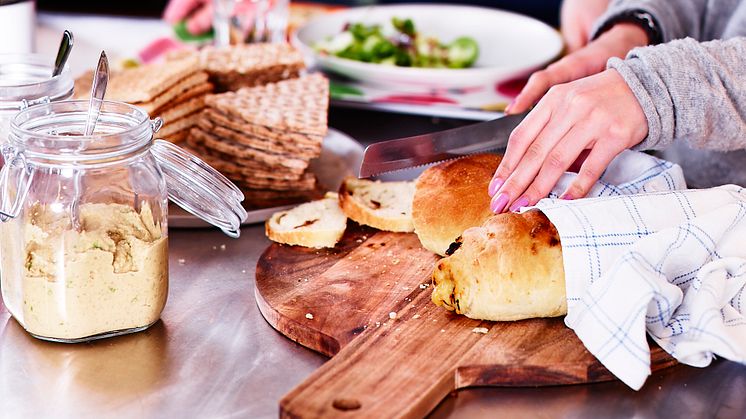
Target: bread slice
(382, 205)
(314, 224)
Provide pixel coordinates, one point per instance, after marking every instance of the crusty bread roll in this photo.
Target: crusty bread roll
(451, 197)
(383, 205)
(315, 224)
(510, 268)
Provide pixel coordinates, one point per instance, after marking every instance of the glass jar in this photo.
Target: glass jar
(83, 238)
(26, 80)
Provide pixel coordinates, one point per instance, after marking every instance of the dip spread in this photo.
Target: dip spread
(64, 283)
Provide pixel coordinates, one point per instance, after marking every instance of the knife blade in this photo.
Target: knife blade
(404, 153)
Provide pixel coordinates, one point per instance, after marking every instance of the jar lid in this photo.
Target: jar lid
(200, 189)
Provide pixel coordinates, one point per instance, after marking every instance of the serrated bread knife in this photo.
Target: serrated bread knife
(403, 153)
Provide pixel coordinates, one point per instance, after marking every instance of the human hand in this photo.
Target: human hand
(591, 59)
(597, 115)
(576, 21)
(198, 14)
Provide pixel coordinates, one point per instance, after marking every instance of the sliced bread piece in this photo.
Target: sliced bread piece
(314, 224)
(382, 205)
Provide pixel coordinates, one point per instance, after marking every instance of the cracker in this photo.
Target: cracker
(185, 108)
(244, 152)
(296, 105)
(179, 137)
(200, 90)
(240, 167)
(185, 122)
(186, 87)
(278, 147)
(83, 84)
(145, 83)
(312, 142)
(247, 65)
(306, 183)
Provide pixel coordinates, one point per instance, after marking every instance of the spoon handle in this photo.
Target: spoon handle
(98, 90)
(66, 45)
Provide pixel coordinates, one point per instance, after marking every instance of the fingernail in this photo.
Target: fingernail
(567, 197)
(510, 105)
(495, 184)
(520, 203)
(498, 203)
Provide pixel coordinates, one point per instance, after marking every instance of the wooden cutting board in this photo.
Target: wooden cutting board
(366, 303)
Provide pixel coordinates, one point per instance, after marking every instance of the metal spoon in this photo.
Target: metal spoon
(98, 90)
(66, 45)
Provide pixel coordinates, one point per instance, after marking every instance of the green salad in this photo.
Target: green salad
(400, 45)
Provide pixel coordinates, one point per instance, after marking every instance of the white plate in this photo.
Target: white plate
(510, 45)
(340, 157)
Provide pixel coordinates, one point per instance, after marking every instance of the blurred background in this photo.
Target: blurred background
(545, 10)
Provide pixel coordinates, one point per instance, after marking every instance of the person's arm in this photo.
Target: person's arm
(690, 91)
(676, 19)
(577, 18)
(686, 90)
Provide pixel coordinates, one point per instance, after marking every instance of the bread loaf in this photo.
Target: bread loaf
(510, 268)
(451, 197)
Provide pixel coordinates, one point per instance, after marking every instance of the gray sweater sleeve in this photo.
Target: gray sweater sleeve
(676, 18)
(690, 91)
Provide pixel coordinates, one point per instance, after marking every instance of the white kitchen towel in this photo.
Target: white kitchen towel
(645, 255)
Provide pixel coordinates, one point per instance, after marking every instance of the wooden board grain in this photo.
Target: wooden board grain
(366, 303)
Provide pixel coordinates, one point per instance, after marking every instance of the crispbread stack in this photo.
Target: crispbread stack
(174, 90)
(264, 137)
(249, 65)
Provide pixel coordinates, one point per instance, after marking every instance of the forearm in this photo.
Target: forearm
(690, 91)
(676, 19)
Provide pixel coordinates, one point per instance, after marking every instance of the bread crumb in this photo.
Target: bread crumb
(424, 286)
(482, 330)
(416, 316)
(442, 330)
(405, 288)
(395, 262)
(182, 261)
(392, 315)
(309, 316)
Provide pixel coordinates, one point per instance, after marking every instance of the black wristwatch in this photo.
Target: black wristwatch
(639, 17)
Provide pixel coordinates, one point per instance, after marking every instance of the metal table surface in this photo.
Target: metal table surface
(213, 355)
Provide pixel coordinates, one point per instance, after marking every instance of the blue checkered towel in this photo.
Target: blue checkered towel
(646, 254)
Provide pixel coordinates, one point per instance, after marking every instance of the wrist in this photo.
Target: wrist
(623, 37)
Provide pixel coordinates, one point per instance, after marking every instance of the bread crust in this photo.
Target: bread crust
(451, 197)
(510, 268)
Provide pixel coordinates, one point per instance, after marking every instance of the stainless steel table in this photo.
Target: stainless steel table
(213, 355)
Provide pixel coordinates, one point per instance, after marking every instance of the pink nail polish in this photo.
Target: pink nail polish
(495, 184)
(520, 203)
(567, 197)
(498, 203)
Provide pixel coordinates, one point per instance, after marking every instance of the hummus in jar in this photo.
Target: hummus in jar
(108, 275)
